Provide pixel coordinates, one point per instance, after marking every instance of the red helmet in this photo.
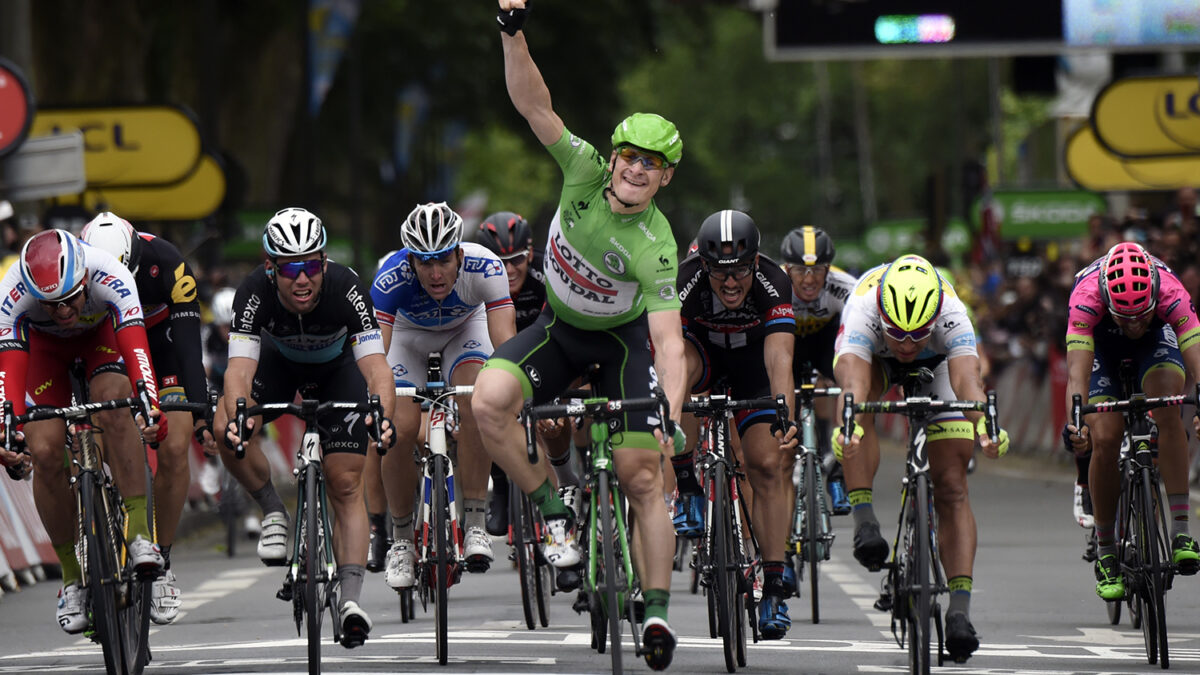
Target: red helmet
(52, 266)
(1129, 281)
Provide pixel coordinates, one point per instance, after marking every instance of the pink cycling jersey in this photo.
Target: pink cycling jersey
(1087, 308)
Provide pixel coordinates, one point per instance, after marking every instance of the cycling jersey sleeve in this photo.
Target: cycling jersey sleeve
(365, 336)
(1176, 309)
(774, 291)
(184, 316)
(580, 162)
(245, 338)
(385, 290)
(1086, 309)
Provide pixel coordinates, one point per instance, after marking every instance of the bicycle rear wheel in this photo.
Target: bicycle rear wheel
(312, 569)
(612, 594)
(812, 531)
(523, 548)
(921, 590)
(443, 565)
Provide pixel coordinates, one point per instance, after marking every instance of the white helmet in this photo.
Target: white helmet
(222, 306)
(431, 229)
(114, 234)
(293, 231)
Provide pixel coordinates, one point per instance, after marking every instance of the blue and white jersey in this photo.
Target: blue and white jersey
(402, 303)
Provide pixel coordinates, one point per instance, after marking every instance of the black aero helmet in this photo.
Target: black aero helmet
(505, 234)
(807, 245)
(728, 228)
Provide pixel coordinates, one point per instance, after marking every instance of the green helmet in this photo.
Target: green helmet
(650, 132)
(910, 293)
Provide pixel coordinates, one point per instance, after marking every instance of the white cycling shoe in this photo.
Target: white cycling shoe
(71, 612)
(1083, 507)
(400, 561)
(477, 549)
(272, 540)
(145, 555)
(165, 599)
(559, 547)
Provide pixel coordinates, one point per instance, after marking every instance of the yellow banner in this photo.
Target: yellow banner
(1095, 168)
(134, 145)
(1156, 116)
(197, 196)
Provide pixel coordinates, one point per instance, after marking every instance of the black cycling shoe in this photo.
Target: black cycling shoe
(961, 641)
(497, 513)
(658, 644)
(377, 550)
(569, 578)
(870, 548)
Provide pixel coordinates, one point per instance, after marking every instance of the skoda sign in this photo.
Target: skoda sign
(1043, 214)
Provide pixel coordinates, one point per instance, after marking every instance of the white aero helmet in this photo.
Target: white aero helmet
(431, 230)
(293, 231)
(222, 306)
(110, 232)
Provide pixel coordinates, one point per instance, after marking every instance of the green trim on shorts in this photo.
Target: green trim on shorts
(514, 370)
(1159, 366)
(637, 439)
(1101, 399)
(950, 430)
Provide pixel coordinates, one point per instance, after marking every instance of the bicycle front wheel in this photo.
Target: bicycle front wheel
(1151, 575)
(443, 565)
(120, 601)
(814, 542)
(312, 569)
(724, 569)
(920, 594)
(612, 594)
(523, 543)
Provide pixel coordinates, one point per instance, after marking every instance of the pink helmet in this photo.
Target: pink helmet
(1129, 281)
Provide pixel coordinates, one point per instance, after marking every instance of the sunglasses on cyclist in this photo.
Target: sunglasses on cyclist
(805, 270)
(1134, 318)
(632, 156)
(900, 335)
(292, 270)
(738, 273)
(435, 257)
(516, 260)
(52, 305)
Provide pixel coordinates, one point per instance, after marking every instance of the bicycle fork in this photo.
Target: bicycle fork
(438, 452)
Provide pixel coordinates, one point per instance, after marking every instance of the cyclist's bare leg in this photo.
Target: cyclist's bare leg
(1172, 441)
(860, 464)
(397, 470)
(55, 504)
(771, 510)
(125, 452)
(373, 482)
(496, 403)
(474, 465)
(173, 476)
(1104, 479)
(639, 472)
(343, 484)
(253, 470)
(948, 460)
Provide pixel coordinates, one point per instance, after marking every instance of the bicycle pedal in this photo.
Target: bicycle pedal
(478, 566)
(581, 605)
(274, 562)
(284, 593)
(884, 602)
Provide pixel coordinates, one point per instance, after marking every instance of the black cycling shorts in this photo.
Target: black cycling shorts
(742, 369)
(278, 380)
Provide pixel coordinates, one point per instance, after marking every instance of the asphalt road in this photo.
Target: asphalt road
(1033, 605)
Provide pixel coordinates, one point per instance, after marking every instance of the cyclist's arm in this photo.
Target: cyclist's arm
(666, 333)
(853, 375)
(378, 375)
(239, 377)
(502, 325)
(526, 88)
(778, 353)
(966, 382)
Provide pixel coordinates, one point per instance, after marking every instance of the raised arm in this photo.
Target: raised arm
(526, 87)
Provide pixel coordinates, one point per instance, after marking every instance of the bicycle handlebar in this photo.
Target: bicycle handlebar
(920, 406)
(307, 410)
(432, 394)
(593, 407)
(1138, 403)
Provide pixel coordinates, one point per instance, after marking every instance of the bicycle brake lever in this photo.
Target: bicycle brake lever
(375, 429)
(1076, 412)
(530, 440)
(847, 415)
(993, 425)
(240, 450)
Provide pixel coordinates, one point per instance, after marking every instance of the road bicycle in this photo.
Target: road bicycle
(1143, 541)
(723, 559)
(311, 583)
(118, 596)
(439, 537)
(610, 580)
(812, 530)
(915, 579)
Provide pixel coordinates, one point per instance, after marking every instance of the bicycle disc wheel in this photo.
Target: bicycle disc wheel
(812, 530)
(522, 544)
(921, 591)
(312, 570)
(442, 562)
(611, 552)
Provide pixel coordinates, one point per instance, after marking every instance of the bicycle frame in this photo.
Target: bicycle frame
(812, 528)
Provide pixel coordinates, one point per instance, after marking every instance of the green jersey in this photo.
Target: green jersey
(604, 269)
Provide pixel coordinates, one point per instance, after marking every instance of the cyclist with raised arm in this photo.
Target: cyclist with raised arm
(302, 321)
(438, 294)
(819, 292)
(167, 288)
(610, 284)
(1129, 304)
(65, 300)
(903, 316)
(738, 327)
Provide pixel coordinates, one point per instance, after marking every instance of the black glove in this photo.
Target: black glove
(785, 427)
(511, 21)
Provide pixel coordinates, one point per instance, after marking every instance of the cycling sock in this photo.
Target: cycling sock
(351, 577)
(546, 498)
(773, 582)
(71, 574)
(268, 499)
(685, 473)
(657, 601)
(1081, 469)
(960, 594)
(563, 470)
(378, 521)
(402, 527)
(1106, 540)
(1179, 513)
(862, 506)
(166, 554)
(135, 517)
(474, 512)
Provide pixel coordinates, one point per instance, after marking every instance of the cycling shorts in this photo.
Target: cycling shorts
(550, 354)
(278, 380)
(946, 425)
(167, 367)
(48, 382)
(1158, 348)
(815, 351)
(408, 355)
(742, 369)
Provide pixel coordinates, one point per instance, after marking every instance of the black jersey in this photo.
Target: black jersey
(167, 288)
(532, 296)
(767, 308)
(342, 323)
